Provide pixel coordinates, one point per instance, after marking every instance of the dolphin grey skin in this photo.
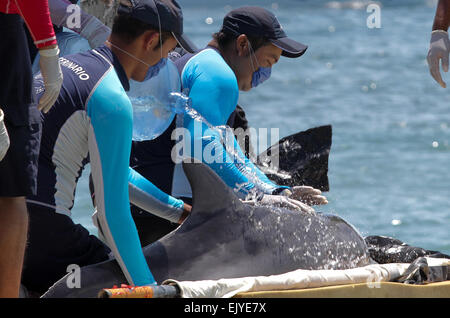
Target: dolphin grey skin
(224, 238)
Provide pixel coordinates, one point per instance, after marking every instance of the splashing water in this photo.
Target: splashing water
(183, 104)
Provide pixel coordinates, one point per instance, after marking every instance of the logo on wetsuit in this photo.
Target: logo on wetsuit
(78, 70)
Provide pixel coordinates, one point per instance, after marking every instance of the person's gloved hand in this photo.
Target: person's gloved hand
(52, 76)
(4, 137)
(439, 50)
(306, 194)
(95, 32)
(281, 201)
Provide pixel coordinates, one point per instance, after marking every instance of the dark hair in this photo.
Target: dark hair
(129, 29)
(224, 39)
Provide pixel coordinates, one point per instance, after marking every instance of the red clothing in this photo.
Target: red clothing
(36, 15)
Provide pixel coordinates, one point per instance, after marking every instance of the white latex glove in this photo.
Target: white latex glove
(306, 194)
(282, 202)
(4, 137)
(95, 32)
(439, 50)
(52, 76)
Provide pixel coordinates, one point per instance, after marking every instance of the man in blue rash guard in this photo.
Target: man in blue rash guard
(91, 121)
(239, 57)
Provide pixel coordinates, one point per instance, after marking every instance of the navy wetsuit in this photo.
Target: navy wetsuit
(91, 121)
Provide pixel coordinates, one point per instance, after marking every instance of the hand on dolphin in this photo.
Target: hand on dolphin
(186, 211)
(306, 194)
(282, 202)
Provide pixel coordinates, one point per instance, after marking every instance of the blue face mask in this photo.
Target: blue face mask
(154, 70)
(261, 75)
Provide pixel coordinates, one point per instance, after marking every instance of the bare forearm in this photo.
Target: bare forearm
(442, 17)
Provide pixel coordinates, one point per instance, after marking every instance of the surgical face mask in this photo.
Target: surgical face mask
(154, 70)
(262, 73)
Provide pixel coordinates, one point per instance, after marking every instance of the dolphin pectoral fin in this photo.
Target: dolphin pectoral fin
(209, 192)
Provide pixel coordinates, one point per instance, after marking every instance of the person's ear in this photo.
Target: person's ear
(242, 45)
(151, 40)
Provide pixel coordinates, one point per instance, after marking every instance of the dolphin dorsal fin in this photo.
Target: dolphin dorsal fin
(209, 192)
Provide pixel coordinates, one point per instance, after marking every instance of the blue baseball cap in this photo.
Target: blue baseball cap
(164, 13)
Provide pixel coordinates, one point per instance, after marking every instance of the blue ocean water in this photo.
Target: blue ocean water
(389, 165)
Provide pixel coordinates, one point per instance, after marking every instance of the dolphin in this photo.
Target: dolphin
(225, 238)
(302, 160)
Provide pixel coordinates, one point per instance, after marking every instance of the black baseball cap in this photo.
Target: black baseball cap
(166, 13)
(259, 22)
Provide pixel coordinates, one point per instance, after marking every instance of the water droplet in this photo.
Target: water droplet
(435, 144)
(396, 222)
(365, 88)
(329, 65)
(373, 85)
(209, 20)
(331, 29)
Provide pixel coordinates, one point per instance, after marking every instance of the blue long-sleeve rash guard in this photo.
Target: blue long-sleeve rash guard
(92, 121)
(213, 89)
